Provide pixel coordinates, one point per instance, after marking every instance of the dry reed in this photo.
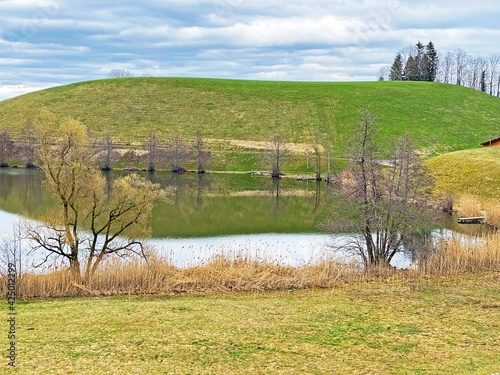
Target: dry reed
(492, 213)
(469, 206)
(464, 254)
(158, 276)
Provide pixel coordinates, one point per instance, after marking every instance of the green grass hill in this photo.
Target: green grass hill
(439, 117)
(475, 172)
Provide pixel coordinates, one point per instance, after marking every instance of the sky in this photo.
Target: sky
(46, 43)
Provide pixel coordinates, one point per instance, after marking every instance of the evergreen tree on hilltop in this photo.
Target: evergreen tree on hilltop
(411, 69)
(396, 73)
(432, 61)
(420, 62)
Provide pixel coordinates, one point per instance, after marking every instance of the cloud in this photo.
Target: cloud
(10, 91)
(48, 41)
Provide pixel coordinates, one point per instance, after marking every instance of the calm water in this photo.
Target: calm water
(203, 205)
(213, 214)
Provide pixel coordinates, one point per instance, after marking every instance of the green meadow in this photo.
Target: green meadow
(475, 172)
(440, 326)
(439, 117)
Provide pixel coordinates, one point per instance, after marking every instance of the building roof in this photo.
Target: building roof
(490, 141)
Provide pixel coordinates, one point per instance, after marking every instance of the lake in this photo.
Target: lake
(212, 214)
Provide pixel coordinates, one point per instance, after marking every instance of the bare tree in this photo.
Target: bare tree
(106, 153)
(29, 146)
(6, 147)
(13, 253)
(119, 73)
(177, 154)
(317, 150)
(498, 87)
(475, 63)
(494, 61)
(200, 154)
(448, 68)
(152, 152)
(381, 207)
(277, 155)
(460, 65)
(383, 73)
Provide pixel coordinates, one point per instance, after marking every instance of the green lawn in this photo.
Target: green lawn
(445, 326)
(475, 172)
(439, 117)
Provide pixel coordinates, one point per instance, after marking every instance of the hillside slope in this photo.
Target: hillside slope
(439, 117)
(475, 172)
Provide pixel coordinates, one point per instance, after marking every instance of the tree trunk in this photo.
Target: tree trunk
(75, 271)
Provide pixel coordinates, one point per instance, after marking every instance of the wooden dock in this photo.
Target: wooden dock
(471, 220)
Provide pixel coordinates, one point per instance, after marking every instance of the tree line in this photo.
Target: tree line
(424, 63)
(175, 152)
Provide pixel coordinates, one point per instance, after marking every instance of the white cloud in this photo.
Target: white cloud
(10, 91)
(47, 41)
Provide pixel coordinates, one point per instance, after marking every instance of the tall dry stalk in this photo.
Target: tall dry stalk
(469, 206)
(492, 213)
(465, 254)
(241, 273)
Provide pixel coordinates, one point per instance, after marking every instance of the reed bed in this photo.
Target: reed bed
(158, 276)
(469, 206)
(463, 254)
(240, 273)
(492, 213)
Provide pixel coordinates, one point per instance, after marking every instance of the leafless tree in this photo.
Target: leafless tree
(30, 141)
(119, 73)
(277, 155)
(381, 207)
(494, 61)
(406, 52)
(383, 73)
(201, 155)
(460, 65)
(317, 150)
(6, 147)
(152, 152)
(87, 224)
(448, 68)
(177, 154)
(475, 73)
(106, 153)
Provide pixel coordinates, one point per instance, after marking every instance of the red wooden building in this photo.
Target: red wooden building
(491, 142)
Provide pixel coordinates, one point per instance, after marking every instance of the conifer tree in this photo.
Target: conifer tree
(396, 73)
(432, 60)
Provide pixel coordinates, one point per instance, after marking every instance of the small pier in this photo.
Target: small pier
(471, 220)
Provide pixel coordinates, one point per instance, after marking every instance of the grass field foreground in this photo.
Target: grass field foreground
(427, 326)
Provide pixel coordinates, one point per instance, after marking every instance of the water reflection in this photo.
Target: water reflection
(202, 205)
(207, 204)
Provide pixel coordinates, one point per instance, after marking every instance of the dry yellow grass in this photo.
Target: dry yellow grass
(469, 206)
(464, 254)
(492, 213)
(158, 276)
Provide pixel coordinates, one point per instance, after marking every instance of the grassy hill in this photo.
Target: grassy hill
(475, 172)
(439, 117)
